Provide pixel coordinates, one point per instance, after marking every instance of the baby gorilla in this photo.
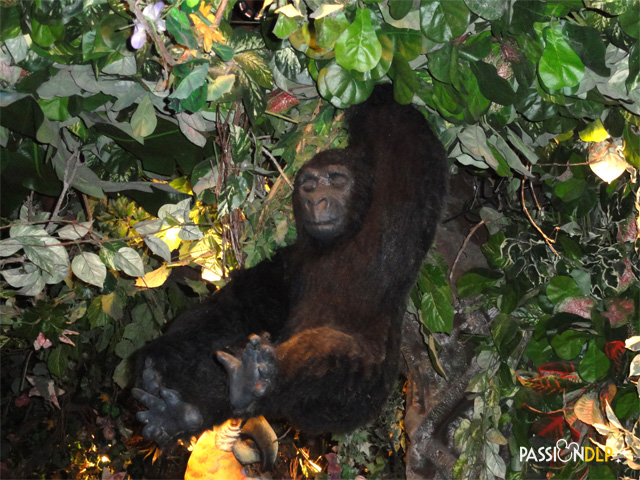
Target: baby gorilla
(331, 304)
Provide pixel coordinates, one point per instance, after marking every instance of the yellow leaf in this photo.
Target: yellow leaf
(289, 11)
(155, 278)
(595, 132)
(325, 10)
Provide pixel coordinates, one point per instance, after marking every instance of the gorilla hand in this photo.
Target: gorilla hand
(167, 417)
(250, 377)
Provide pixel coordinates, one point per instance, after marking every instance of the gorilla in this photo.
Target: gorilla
(312, 335)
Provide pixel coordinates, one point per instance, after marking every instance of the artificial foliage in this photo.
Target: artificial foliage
(148, 148)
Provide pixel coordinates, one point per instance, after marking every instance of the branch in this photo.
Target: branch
(275, 162)
(549, 241)
(464, 245)
(220, 12)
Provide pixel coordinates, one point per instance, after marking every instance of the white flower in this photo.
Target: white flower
(151, 13)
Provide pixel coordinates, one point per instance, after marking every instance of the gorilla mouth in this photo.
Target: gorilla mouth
(324, 224)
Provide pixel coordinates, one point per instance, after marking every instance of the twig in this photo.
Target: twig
(549, 241)
(220, 12)
(21, 259)
(275, 162)
(69, 173)
(464, 245)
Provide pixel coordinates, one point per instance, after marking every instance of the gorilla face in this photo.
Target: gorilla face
(324, 196)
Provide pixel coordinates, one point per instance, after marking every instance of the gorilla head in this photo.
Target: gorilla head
(331, 195)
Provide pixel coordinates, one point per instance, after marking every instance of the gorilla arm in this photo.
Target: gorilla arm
(309, 379)
(179, 380)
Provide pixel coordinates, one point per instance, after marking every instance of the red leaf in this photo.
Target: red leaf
(615, 351)
(564, 369)
(550, 384)
(280, 101)
(551, 428)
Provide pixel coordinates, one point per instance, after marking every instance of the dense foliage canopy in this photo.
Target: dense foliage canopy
(139, 138)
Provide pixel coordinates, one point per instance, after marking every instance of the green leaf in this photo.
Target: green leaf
(594, 365)
(477, 281)
(256, 67)
(190, 83)
(143, 120)
(55, 108)
(559, 66)
(340, 87)
(561, 287)
(492, 85)
(630, 21)
(9, 23)
(358, 48)
(443, 20)
(45, 35)
(405, 82)
(398, 9)
(129, 261)
(89, 268)
(436, 306)
(506, 333)
(329, 29)
(178, 25)
(285, 26)
(569, 344)
(58, 360)
(588, 44)
(487, 9)
(220, 86)
(225, 52)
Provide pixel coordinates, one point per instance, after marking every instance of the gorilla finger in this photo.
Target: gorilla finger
(151, 378)
(171, 397)
(152, 432)
(192, 417)
(230, 363)
(266, 369)
(148, 400)
(261, 388)
(142, 396)
(144, 416)
(267, 354)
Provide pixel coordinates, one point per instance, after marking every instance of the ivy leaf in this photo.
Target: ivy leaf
(129, 261)
(58, 360)
(559, 66)
(89, 268)
(358, 48)
(442, 20)
(143, 120)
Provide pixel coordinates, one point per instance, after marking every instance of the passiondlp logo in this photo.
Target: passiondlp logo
(565, 452)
